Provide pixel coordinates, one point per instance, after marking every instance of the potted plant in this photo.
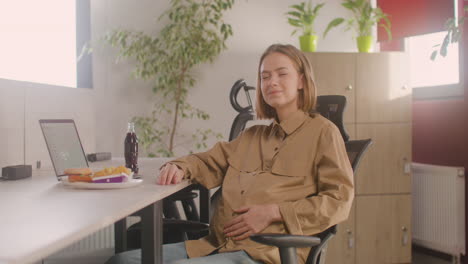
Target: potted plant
(303, 16)
(364, 18)
(195, 33)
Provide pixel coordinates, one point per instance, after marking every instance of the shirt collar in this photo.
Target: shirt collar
(292, 123)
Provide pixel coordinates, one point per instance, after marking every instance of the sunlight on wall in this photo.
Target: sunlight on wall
(38, 41)
(425, 72)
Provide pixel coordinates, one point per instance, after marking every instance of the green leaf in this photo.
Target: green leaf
(294, 22)
(299, 7)
(349, 5)
(334, 23)
(389, 32)
(295, 14)
(318, 7)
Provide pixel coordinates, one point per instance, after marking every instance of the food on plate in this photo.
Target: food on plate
(106, 175)
(112, 175)
(112, 171)
(79, 174)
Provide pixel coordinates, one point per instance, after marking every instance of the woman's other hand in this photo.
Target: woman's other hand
(253, 219)
(170, 174)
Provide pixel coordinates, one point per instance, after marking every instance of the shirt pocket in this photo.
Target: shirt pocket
(292, 168)
(244, 165)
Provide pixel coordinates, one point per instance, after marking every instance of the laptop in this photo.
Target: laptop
(64, 145)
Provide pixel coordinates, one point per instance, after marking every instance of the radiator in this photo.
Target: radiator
(102, 239)
(439, 208)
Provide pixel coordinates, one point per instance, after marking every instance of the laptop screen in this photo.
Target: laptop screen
(64, 145)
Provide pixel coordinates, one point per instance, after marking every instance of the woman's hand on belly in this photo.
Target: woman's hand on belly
(253, 219)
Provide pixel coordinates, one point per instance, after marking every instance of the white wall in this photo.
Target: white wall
(102, 113)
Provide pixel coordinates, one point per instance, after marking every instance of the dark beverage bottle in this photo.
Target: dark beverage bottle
(131, 149)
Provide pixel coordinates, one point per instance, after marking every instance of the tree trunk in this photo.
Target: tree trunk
(176, 112)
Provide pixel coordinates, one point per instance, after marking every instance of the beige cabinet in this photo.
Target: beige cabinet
(334, 74)
(341, 248)
(385, 168)
(384, 226)
(382, 88)
(379, 107)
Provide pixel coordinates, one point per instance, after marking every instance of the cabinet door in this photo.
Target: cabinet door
(341, 248)
(334, 74)
(382, 91)
(385, 168)
(383, 231)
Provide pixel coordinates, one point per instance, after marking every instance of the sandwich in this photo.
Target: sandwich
(79, 174)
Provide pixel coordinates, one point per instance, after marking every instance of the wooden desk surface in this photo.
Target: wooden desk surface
(40, 216)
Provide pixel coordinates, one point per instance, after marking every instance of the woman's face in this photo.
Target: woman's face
(280, 82)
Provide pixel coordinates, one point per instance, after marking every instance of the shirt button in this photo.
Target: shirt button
(276, 149)
(242, 192)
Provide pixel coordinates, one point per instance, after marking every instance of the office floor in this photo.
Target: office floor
(421, 258)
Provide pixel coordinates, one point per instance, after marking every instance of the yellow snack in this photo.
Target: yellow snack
(112, 171)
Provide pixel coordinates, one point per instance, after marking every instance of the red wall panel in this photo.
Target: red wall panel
(415, 17)
(439, 132)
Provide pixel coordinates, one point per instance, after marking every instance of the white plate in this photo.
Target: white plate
(101, 186)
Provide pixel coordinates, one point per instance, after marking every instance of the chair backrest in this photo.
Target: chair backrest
(332, 107)
(355, 150)
(245, 113)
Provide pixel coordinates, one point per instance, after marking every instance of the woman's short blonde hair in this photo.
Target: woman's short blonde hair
(307, 96)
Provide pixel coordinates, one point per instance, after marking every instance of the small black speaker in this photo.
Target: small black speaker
(100, 156)
(16, 172)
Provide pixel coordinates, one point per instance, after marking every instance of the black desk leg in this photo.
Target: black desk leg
(151, 235)
(120, 231)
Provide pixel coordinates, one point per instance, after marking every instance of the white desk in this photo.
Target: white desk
(40, 216)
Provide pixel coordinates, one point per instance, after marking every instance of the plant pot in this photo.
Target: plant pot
(308, 43)
(364, 43)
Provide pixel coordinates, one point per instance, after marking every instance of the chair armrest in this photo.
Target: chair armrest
(180, 196)
(184, 225)
(282, 240)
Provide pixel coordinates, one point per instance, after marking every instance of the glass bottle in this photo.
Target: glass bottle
(131, 149)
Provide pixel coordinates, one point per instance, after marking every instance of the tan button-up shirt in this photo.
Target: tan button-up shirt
(300, 164)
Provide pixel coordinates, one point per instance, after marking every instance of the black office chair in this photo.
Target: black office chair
(287, 244)
(332, 107)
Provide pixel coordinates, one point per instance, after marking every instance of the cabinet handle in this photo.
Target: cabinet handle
(404, 239)
(349, 87)
(406, 166)
(350, 238)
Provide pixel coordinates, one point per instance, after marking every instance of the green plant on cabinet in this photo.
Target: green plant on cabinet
(194, 34)
(454, 28)
(364, 18)
(302, 16)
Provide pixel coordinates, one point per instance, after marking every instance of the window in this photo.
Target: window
(433, 78)
(41, 40)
